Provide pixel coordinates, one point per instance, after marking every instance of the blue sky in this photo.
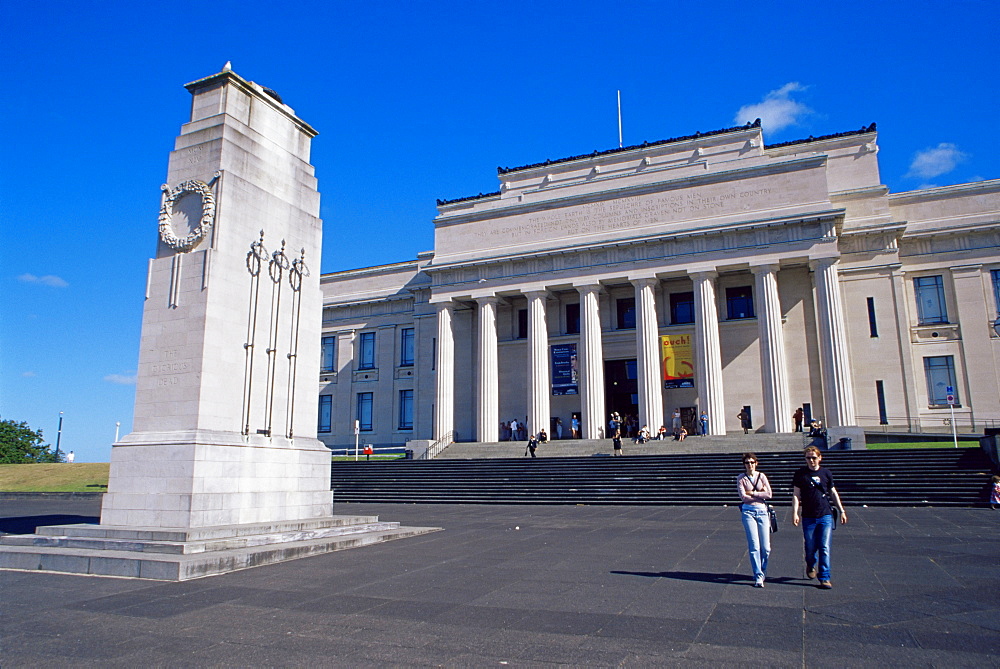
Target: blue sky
(415, 101)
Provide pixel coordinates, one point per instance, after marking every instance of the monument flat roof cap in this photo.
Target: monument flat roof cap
(228, 76)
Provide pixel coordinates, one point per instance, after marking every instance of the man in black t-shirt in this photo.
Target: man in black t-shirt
(814, 494)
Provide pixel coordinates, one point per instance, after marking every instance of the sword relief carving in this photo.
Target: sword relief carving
(255, 262)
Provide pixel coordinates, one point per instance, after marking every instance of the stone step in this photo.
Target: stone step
(183, 567)
(139, 533)
(70, 538)
(731, 443)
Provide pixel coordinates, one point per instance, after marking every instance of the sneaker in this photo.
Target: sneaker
(811, 572)
(758, 583)
(826, 585)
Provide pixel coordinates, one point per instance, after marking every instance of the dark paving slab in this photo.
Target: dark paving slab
(538, 586)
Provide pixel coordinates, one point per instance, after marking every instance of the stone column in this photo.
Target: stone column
(838, 385)
(647, 348)
(538, 359)
(773, 369)
(444, 408)
(901, 332)
(591, 364)
(487, 413)
(707, 352)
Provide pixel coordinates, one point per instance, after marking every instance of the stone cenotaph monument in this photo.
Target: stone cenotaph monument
(224, 430)
(223, 469)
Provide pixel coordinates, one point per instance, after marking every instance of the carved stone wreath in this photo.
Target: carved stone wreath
(171, 196)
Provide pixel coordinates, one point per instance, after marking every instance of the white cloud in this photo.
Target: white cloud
(121, 379)
(934, 162)
(48, 280)
(28, 375)
(777, 110)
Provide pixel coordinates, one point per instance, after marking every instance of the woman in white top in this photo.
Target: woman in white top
(755, 490)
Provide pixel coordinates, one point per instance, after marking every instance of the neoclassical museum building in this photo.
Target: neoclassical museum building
(708, 273)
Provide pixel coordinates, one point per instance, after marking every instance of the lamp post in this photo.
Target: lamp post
(59, 434)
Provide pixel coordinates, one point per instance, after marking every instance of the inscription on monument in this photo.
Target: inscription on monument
(632, 212)
(167, 370)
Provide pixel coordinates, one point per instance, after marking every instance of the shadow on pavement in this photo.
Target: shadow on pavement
(27, 524)
(704, 577)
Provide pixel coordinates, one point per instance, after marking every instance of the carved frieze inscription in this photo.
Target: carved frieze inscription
(638, 214)
(627, 212)
(168, 370)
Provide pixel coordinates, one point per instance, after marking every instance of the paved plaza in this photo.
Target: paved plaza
(537, 586)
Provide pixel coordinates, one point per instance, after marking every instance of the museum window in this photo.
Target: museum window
(940, 372)
(366, 350)
(739, 302)
(364, 415)
(325, 413)
(883, 413)
(931, 307)
(573, 318)
(996, 288)
(626, 313)
(405, 409)
(327, 362)
(872, 325)
(406, 347)
(522, 324)
(681, 308)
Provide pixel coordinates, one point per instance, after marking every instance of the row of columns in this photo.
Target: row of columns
(837, 386)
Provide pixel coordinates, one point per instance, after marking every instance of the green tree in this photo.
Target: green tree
(19, 444)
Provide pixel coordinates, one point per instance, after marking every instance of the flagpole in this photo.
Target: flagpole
(619, 118)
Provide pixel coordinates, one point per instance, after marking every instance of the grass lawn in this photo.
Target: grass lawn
(78, 477)
(899, 445)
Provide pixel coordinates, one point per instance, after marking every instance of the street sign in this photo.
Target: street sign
(950, 390)
(951, 399)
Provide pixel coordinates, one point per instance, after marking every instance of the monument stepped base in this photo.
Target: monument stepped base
(180, 554)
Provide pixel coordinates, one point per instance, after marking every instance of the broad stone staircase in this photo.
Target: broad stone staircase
(937, 477)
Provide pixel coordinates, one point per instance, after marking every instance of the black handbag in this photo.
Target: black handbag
(773, 517)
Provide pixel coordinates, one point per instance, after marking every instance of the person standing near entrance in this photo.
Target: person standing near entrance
(703, 423)
(797, 417)
(755, 490)
(814, 495)
(675, 422)
(744, 421)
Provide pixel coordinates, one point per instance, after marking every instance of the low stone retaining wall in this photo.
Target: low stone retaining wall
(39, 496)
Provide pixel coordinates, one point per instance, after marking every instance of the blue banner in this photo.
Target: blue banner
(564, 375)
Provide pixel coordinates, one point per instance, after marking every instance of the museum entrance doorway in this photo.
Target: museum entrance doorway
(689, 419)
(621, 388)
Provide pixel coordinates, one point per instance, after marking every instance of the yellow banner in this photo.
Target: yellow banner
(677, 358)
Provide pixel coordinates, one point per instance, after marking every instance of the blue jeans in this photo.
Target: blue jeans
(757, 526)
(817, 533)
